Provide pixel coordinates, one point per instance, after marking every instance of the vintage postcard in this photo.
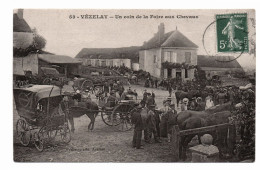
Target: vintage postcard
(134, 85)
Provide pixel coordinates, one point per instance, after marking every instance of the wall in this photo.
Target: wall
(147, 63)
(21, 64)
(107, 62)
(135, 66)
(181, 54)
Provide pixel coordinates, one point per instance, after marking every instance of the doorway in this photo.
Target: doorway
(169, 73)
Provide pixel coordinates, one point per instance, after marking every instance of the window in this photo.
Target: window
(154, 59)
(173, 57)
(187, 57)
(167, 56)
(88, 62)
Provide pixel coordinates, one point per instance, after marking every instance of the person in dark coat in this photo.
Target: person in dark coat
(77, 96)
(156, 83)
(171, 118)
(138, 128)
(151, 124)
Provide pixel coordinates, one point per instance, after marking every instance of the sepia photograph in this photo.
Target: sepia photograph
(134, 85)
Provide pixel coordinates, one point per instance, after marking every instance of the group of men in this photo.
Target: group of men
(151, 121)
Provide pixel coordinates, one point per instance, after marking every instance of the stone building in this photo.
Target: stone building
(99, 57)
(169, 55)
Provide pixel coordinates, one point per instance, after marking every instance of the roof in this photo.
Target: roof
(41, 91)
(58, 59)
(20, 25)
(170, 39)
(210, 61)
(110, 53)
(49, 71)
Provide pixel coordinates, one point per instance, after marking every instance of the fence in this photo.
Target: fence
(177, 134)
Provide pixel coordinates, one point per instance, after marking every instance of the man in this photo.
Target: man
(150, 100)
(171, 118)
(156, 83)
(145, 95)
(151, 125)
(209, 102)
(184, 105)
(163, 123)
(200, 104)
(86, 96)
(138, 128)
(111, 100)
(77, 96)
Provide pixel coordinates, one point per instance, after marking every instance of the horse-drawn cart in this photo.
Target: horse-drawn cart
(119, 116)
(41, 117)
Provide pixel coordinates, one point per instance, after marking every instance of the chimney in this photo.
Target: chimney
(161, 31)
(20, 13)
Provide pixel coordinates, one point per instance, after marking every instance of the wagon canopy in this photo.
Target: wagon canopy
(28, 97)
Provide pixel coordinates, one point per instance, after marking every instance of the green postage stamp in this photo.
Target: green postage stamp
(232, 33)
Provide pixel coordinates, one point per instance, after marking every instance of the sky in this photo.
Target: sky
(68, 36)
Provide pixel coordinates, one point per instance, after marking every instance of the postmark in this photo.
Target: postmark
(232, 34)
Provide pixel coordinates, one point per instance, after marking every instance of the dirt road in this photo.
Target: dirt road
(104, 144)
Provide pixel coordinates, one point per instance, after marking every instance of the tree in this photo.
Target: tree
(39, 43)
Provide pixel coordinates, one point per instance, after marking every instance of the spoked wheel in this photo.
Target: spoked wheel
(109, 118)
(23, 132)
(122, 113)
(40, 138)
(65, 133)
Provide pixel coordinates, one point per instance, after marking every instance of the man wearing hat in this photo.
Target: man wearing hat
(184, 105)
(111, 100)
(151, 125)
(200, 104)
(138, 128)
(150, 100)
(77, 96)
(163, 124)
(171, 118)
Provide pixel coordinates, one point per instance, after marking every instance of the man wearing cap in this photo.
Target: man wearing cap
(86, 96)
(151, 124)
(138, 128)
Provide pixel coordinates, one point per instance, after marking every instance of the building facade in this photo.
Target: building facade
(169, 55)
(102, 62)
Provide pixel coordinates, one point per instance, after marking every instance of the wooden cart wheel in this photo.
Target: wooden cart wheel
(122, 115)
(23, 132)
(65, 133)
(40, 138)
(107, 118)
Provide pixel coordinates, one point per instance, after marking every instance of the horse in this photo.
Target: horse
(196, 119)
(88, 108)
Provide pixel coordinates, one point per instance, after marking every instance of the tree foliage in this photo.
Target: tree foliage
(39, 43)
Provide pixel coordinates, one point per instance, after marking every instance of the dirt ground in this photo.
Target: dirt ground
(103, 144)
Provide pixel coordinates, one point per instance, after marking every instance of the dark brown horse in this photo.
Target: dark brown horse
(193, 119)
(88, 108)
